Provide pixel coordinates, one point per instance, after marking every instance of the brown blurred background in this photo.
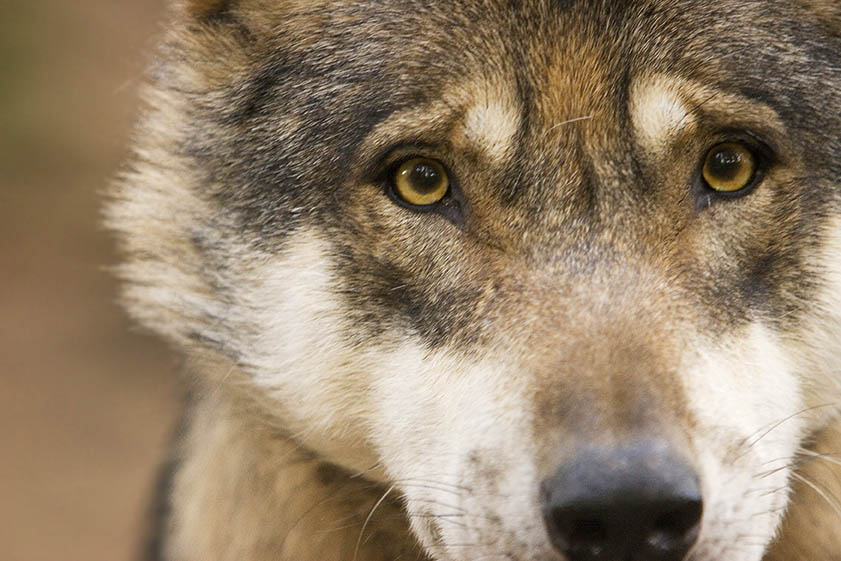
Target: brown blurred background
(86, 405)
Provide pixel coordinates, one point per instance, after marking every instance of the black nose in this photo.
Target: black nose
(635, 503)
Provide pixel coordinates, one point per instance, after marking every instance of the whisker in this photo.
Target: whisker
(436, 482)
(752, 441)
(368, 519)
(450, 518)
(222, 381)
(819, 456)
(569, 121)
(431, 487)
(433, 502)
(830, 500)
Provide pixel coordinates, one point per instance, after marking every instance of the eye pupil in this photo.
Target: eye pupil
(424, 178)
(726, 164)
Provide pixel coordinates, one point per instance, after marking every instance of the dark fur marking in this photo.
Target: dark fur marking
(384, 294)
(516, 184)
(754, 287)
(327, 474)
(161, 507)
(273, 181)
(212, 11)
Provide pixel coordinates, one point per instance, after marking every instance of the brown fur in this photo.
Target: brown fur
(812, 528)
(205, 8)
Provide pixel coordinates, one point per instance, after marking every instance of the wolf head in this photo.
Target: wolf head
(566, 274)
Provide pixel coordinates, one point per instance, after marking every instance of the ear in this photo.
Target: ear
(207, 9)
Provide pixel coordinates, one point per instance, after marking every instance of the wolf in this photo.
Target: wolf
(524, 280)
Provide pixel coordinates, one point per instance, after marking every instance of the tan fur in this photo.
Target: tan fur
(269, 499)
(812, 528)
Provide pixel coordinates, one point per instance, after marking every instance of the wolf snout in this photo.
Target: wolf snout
(640, 502)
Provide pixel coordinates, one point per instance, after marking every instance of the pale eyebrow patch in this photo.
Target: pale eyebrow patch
(659, 113)
(491, 120)
(478, 115)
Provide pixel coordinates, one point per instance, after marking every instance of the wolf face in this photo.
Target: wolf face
(563, 275)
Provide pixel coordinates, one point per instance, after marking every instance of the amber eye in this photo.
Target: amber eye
(729, 167)
(421, 181)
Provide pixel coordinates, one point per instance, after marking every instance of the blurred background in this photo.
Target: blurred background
(86, 403)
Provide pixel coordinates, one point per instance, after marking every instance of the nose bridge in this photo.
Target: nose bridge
(623, 379)
(610, 365)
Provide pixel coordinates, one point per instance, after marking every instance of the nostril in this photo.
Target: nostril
(581, 535)
(586, 538)
(588, 531)
(680, 520)
(676, 527)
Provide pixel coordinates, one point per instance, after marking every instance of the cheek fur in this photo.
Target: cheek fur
(814, 345)
(748, 405)
(294, 347)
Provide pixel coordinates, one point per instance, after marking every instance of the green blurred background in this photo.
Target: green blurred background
(86, 404)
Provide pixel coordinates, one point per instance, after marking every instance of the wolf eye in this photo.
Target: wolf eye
(729, 167)
(421, 181)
